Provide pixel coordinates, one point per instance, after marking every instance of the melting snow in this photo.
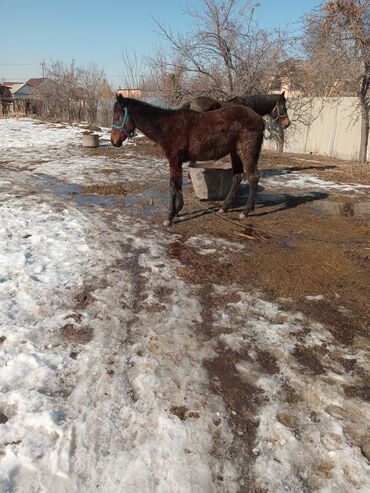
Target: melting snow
(272, 179)
(99, 348)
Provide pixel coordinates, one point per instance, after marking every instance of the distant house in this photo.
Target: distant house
(5, 99)
(21, 91)
(130, 93)
(291, 74)
(42, 86)
(5, 93)
(291, 88)
(31, 96)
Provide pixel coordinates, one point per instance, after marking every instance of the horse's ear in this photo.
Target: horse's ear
(282, 95)
(119, 98)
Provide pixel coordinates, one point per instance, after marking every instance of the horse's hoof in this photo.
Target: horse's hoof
(167, 223)
(221, 210)
(242, 216)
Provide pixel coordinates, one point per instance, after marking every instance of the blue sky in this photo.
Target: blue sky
(99, 31)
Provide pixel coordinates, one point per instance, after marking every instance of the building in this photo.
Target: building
(130, 93)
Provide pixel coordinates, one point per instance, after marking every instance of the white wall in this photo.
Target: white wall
(334, 129)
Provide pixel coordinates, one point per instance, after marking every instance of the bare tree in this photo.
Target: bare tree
(225, 53)
(337, 44)
(67, 94)
(105, 104)
(134, 72)
(95, 88)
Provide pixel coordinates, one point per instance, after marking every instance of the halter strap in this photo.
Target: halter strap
(277, 109)
(124, 120)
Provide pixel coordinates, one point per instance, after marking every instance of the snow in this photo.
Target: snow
(316, 440)
(272, 179)
(101, 344)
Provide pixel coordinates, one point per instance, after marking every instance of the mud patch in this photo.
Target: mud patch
(242, 398)
(85, 297)
(288, 394)
(308, 358)
(184, 413)
(76, 335)
(358, 391)
(267, 361)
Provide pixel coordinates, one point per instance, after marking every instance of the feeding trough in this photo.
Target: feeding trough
(211, 181)
(90, 140)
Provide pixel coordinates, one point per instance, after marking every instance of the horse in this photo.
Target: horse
(186, 135)
(263, 104)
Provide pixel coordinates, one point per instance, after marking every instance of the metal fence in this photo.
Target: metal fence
(327, 126)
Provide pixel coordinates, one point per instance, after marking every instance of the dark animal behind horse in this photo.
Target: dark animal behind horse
(186, 135)
(263, 104)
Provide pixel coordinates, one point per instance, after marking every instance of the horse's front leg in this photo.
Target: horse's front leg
(176, 198)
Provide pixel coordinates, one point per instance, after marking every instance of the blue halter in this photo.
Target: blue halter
(124, 120)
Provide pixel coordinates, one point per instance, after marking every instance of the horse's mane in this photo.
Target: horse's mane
(143, 106)
(261, 102)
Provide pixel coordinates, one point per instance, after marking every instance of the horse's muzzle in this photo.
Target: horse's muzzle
(284, 122)
(116, 137)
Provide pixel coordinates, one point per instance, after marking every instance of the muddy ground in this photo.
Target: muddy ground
(308, 251)
(221, 355)
(296, 245)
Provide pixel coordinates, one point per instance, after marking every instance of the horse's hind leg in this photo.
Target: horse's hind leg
(179, 204)
(238, 173)
(176, 198)
(249, 150)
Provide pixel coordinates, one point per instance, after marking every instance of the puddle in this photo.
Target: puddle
(284, 201)
(151, 201)
(69, 191)
(348, 209)
(319, 202)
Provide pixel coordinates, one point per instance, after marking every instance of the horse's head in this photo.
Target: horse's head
(280, 113)
(123, 125)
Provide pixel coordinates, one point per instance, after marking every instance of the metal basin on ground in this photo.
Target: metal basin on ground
(90, 140)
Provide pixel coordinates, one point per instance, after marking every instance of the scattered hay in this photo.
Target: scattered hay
(105, 189)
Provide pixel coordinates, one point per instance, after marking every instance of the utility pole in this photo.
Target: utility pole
(43, 68)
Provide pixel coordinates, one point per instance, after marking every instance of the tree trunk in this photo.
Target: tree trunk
(364, 132)
(279, 138)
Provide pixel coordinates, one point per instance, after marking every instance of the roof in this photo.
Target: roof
(9, 84)
(15, 87)
(36, 82)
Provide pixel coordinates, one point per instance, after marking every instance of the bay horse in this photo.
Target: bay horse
(187, 135)
(263, 104)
